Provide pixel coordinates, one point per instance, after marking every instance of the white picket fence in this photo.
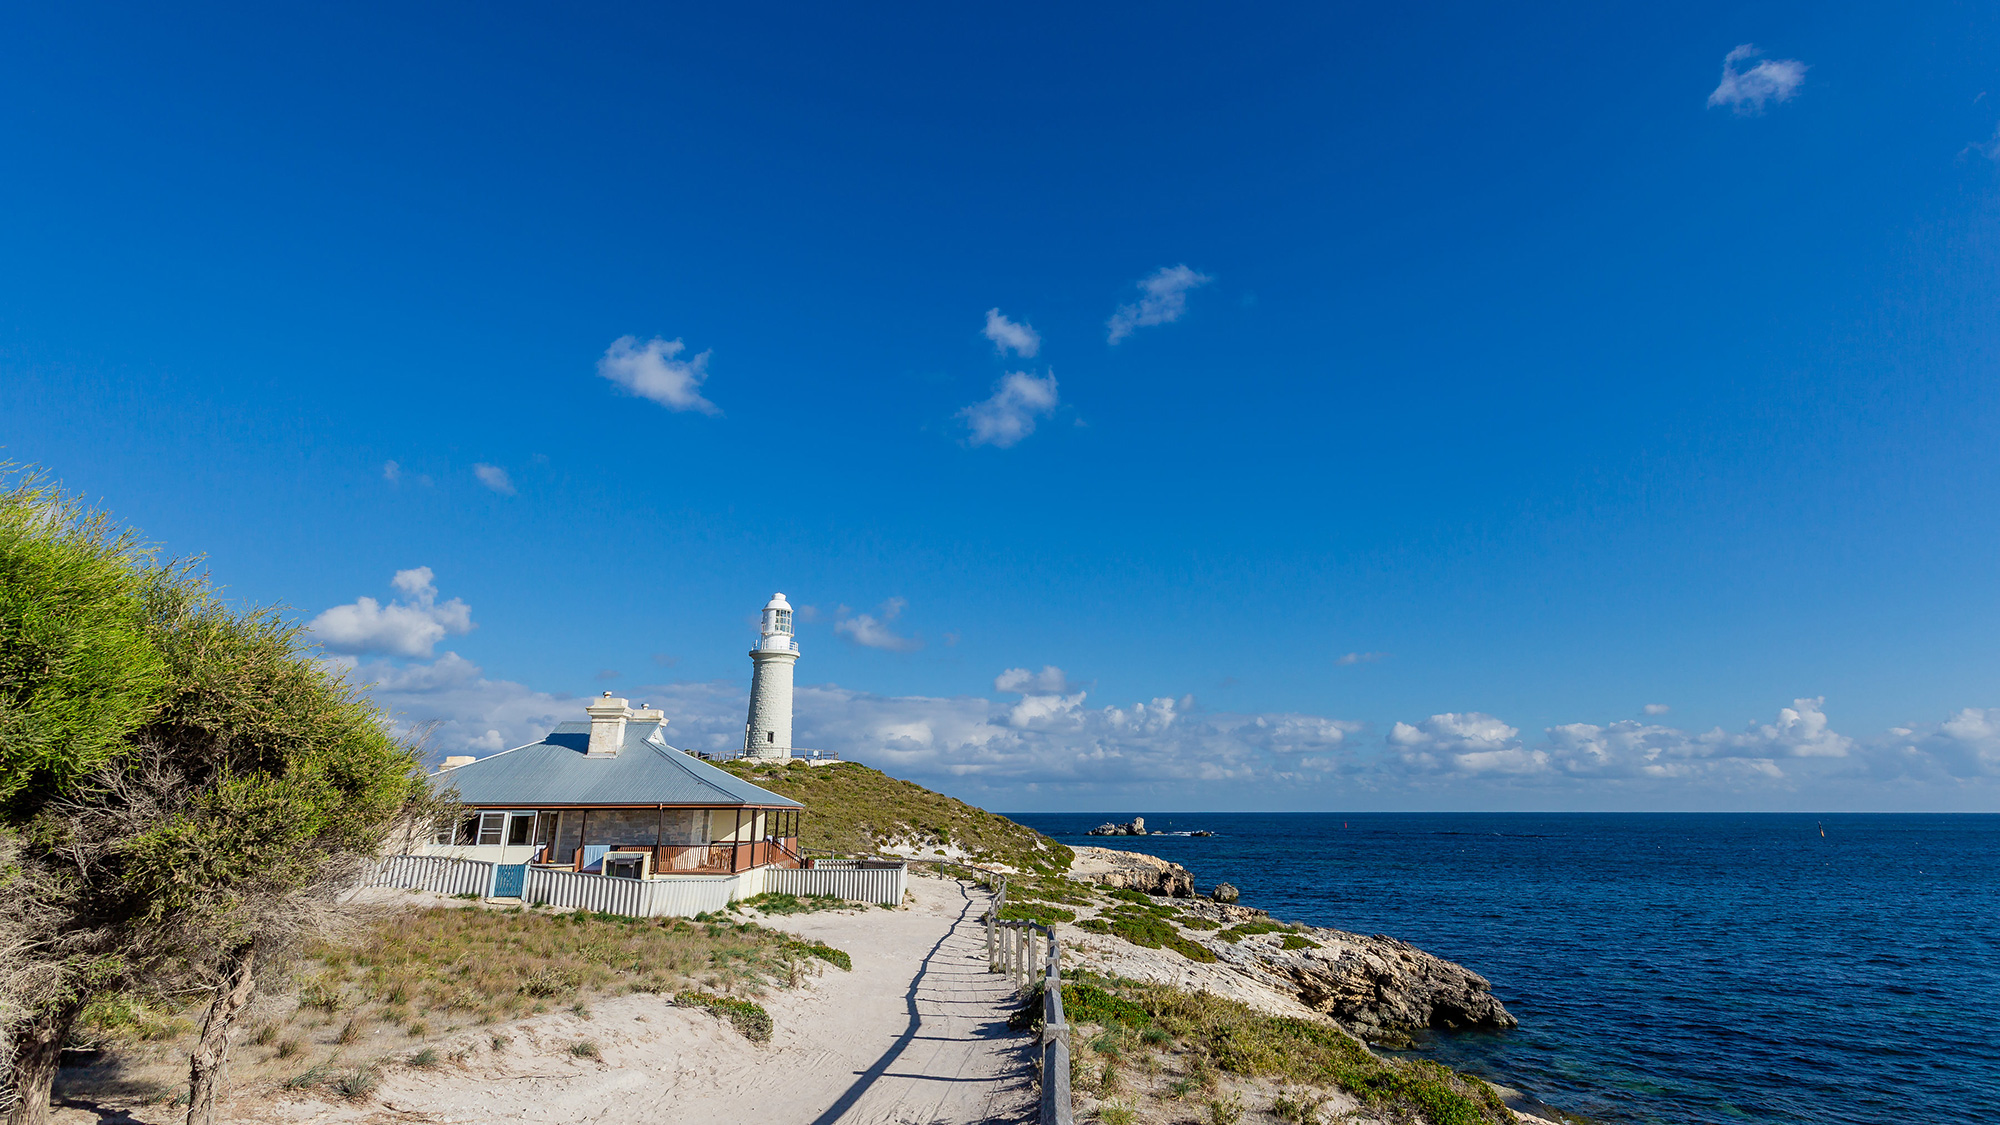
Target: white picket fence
(681, 896)
(863, 884)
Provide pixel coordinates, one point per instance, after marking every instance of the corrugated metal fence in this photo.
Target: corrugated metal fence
(438, 873)
(865, 884)
(679, 895)
(637, 898)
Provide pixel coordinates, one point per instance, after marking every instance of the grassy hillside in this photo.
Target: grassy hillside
(853, 809)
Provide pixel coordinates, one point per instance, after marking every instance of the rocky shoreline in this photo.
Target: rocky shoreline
(1380, 988)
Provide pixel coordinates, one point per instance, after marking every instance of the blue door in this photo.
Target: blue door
(509, 879)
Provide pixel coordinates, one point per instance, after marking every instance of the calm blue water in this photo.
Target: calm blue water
(1666, 968)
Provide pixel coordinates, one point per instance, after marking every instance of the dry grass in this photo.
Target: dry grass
(425, 973)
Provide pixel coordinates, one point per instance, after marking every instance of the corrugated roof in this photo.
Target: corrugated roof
(646, 771)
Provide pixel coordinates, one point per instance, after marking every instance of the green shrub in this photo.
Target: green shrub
(838, 958)
(1148, 930)
(748, 1018)
(1294, 941)
(1034, 912)
(424, 1059)
(770, 902)
(1237, 933)
(587, 1049)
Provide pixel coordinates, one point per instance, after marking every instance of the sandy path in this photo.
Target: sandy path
(916, 1034)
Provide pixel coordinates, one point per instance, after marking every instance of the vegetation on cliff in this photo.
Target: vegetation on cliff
(852, 809)
(1139, 1042)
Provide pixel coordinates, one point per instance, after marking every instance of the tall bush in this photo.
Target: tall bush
(213, 821)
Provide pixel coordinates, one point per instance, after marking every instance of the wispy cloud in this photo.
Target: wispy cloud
(1748, 91)
(654, 370)
(1164, 301)
(1656, 709)
(494, 477)
(392, 472)
(1010, 336)
(409, 626)
(869, 631)
(1007, 417)
(1361, 658)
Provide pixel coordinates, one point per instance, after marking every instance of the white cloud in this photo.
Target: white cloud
(1008, 335)
(871, 632)
(456, 710)
(1050, 740)
(392, 472)
(1360, 658)
(1656, 708)
(1165, 301)
(1049, 681)
(494, 477)
(1800, 732)
(410, 627)
(654, 370)
(1748, 91)
(1018, 399)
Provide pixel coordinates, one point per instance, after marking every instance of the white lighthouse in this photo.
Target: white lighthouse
(768, 734)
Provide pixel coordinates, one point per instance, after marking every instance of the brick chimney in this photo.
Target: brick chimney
(607, 726)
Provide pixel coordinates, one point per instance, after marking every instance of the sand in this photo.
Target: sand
(916, 1033)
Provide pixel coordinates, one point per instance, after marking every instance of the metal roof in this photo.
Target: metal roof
(646, 771)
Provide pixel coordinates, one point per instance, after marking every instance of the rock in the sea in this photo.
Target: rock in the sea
(1137, 827)
(1225, 892)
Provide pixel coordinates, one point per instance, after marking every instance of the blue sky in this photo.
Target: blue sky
(1159, 406)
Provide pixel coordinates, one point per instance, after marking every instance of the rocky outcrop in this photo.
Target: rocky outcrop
(1225, 892)
(1137, 827)
(1378, 987)
(1147, 873)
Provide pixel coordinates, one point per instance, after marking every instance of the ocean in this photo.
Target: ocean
(1666, 968)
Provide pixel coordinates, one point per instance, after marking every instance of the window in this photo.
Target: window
(520, 829)
(784, 622)
(489, 827)
(771, 736)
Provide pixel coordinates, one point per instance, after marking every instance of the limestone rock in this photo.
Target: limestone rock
(1147, 873)
(1226, 892)
(1137, 827)
(1378, 987)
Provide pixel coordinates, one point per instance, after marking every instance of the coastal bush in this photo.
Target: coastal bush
(1239, 1040)
(771, 902)
(1037, 913)
(1149, 930)
(1294, 941)
(838, 958)
(748, 1018)
(587, 1049)
(1237, 933)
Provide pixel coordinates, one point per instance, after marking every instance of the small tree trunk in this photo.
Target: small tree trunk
(38, 1044)
(211, 1052)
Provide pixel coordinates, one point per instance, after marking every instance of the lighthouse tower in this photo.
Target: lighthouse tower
(768, 734)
